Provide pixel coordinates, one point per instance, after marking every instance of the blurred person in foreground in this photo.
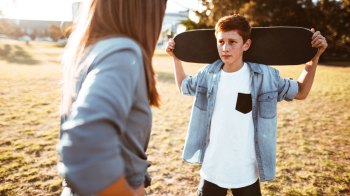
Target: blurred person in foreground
(232, 130)
(108, 88)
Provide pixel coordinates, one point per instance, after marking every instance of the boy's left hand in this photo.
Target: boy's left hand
(318, 41)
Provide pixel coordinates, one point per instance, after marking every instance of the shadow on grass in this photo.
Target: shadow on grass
(16, 54)
(336, 63)
(165, 77)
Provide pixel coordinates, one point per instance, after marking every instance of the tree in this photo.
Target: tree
(190, 25)
(55, 32)
(9, 28)
(278, 12)
(34, 34)
(215, 9)
(258, 12)
(331, 17)
(335, 23)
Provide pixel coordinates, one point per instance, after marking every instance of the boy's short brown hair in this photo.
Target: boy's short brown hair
(234, 22)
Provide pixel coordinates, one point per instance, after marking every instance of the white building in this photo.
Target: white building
(172, 26)
(172, 20)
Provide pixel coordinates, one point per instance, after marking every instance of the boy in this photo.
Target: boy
(232, 130)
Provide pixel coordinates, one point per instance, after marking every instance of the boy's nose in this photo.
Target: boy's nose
(225, 48)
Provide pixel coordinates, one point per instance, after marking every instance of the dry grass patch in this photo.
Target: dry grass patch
(313, 135)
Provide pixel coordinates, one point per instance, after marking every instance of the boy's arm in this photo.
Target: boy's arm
(307, 76)
(179, 72)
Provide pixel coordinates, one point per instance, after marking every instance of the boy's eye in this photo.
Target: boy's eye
(220, 41)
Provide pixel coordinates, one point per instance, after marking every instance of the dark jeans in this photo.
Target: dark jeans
(206, 188)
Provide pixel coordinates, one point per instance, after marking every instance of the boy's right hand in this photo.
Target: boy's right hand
(170, 48)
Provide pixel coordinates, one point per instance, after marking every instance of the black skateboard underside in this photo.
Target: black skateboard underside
(270, 46)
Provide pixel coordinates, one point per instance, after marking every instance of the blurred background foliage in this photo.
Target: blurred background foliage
(331, 17)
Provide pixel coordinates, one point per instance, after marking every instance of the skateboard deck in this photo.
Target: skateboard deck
(280, 45)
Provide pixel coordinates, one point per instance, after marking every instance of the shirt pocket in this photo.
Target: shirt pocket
(244, 103)
(268, 104)
(201, 98)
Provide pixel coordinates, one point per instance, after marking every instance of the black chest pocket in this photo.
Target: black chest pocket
(244, 103)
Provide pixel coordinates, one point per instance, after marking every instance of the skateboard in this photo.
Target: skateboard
(279, 45)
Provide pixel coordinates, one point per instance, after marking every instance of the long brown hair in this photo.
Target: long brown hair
(140, 20)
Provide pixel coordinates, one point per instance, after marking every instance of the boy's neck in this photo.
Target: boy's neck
(233, 67)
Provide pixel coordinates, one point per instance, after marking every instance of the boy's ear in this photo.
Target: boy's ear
(247, 44)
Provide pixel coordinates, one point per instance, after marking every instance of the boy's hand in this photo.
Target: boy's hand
(170, 48)
(318, 41)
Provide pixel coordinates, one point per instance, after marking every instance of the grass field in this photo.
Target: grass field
(313, 147)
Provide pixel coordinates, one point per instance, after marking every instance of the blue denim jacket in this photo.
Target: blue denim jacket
(267, 89)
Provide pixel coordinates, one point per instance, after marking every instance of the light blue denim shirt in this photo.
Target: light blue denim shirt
(107, 132)
(267, 89)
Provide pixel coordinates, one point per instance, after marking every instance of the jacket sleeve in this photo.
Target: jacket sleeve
(287, 88)
(190, 83)
(90, 145)
(188, 86)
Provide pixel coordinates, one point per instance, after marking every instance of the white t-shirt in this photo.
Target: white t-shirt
(230, 160)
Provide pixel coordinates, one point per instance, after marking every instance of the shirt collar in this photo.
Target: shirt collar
(252, 66)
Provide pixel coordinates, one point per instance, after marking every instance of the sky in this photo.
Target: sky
(61, 10)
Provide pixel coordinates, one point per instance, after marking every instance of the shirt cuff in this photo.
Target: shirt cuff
(184, 88)
(94, 179)
(293, 90)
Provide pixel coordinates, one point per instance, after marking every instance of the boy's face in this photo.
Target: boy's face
(231, 47)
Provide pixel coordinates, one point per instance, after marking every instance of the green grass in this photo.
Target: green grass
(313, 141)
